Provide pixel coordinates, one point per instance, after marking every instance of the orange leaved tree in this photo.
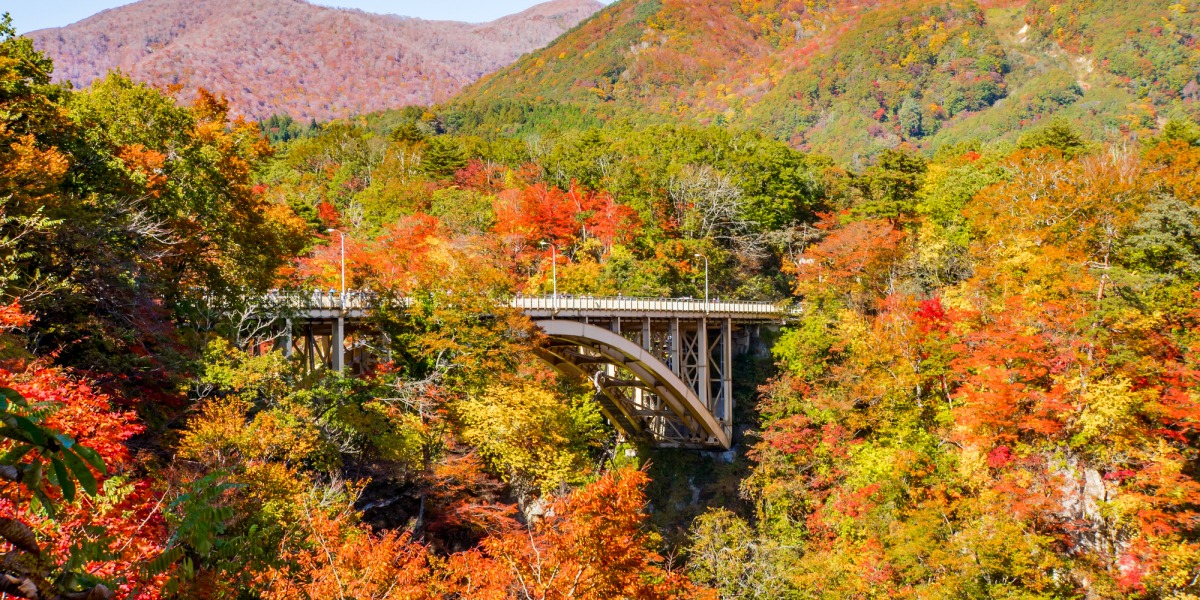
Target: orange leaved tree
(592, 545)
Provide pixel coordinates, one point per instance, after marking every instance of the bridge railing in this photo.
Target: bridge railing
(635, 304)
(323, 299)
(361, 301)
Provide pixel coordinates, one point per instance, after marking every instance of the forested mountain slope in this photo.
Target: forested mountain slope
(289, 56)
(848, 79)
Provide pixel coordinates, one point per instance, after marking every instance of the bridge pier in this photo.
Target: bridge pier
(338, 345)
(673, 346)
(702, 354)
(310, 348)
(725, 410)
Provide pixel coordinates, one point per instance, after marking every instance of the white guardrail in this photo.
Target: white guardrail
(618, 304)
(357, 300)
(321, 299)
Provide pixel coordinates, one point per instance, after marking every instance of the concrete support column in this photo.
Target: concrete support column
(337, 348)
(287, 339)
(615, 325)
(673, 349)
(647, 343)
(702, 376)
(310, 348)
(727, 371)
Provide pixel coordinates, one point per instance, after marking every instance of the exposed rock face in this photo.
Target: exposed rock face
(1084, 494)
(289, 56)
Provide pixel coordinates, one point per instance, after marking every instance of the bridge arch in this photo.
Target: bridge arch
(640, 394)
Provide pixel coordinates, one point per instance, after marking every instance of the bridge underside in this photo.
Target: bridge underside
(666, 382)
(663, 381)
(347, 345)
(662, 369)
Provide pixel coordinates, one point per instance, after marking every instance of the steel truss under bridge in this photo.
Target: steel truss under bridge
(662, 367)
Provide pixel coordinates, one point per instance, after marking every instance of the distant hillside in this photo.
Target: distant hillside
(272, 56)
(849, 79)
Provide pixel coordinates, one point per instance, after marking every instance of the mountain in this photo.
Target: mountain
(850, 78)
(272, 56)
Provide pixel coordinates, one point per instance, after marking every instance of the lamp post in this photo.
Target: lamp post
(553, 269)
(705, 280)
(338, 346)
(343, 236)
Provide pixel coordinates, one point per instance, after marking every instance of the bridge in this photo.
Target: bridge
(662, 367)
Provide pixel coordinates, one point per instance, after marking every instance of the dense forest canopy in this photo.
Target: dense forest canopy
(263, 53)
(990, 391)
(850, 79)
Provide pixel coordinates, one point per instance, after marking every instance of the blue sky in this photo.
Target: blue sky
(29, 15)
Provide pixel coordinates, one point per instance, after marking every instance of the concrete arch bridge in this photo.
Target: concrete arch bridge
(662, 367)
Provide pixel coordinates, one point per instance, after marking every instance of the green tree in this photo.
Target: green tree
(1166, 240)
(407, 132)
(888, 189)
(1181, 130)
(910, 118)
(1059, 135)
(443, 157)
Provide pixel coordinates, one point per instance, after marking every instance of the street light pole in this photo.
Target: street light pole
(705, 280)
(338, 343)
(343, 240)
(553, 269)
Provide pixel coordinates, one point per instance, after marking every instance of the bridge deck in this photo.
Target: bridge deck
(619, 306)
(321, 305)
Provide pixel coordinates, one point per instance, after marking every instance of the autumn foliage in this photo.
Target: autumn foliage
(114, 535)
(591, 545)
(1027, 420)
(984, 386)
